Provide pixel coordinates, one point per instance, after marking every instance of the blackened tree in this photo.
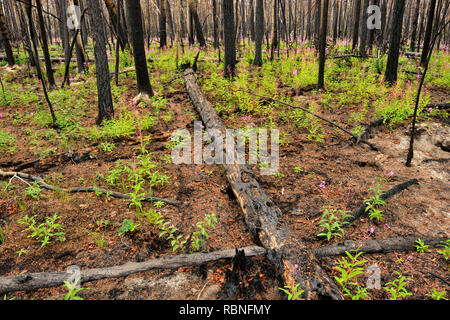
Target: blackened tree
(390, 75)
(105, 105)
(259, 32)
(134, 17)
(230, 38)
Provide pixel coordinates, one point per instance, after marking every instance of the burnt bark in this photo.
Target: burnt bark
(134, 18)
(4, 37)
(259, 32)
(323, 43)
(428, 31)
(390, 75)
(230, 38)
(105, 104)
(285, 251)
(34, 281)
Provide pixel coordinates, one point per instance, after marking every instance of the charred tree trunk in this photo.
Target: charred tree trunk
(252, 20)
(292, 258)
(35, 57)
(215, 25)
(4, 37)
(323, 43)
(105, 105)
(197, 24)
(390, 75)
(81, 54)
(275, 29)
(428, 31)
(230, 40)
(162, 24)
(356, 22)
(259, 32)
(308, 24)
(414, 25)
(364, 33)
(134, 17)
(114, 18)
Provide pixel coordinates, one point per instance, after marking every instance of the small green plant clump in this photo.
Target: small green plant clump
(333, 223)
(2, 235)
(128, 226)
(446, 249)
(374, 203)
(73, 290)
(396, 288)
(44, 232)
(199, 236)
(421, 247)
(33, 191)
(293, 293)
(437, 295)
(350, 269)
(7, 142)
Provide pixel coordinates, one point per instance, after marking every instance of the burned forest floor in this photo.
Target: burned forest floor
(320, 170)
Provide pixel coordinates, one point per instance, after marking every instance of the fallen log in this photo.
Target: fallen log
(369, 127)
(386, 195)
(102, 191)
(42, 165)
(374, 246)
(33, 281)
(292, 258)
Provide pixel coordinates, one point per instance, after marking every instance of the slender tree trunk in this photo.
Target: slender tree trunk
(390, 75)
(335, 19)
(364, 33)
(81, 55)
(162, 24)
(230, 40)
(4, 37)
(215, 25)
(252, 20)
(428, 31)
(323, 43)
(275, 29)
(116, 66)
(35, 57)
(197, 24)
(259, 32)
(113, 16)
(356, 17)
(44, 42)
(414, 25)
(134, 17)
(170, 22)
(308, 25)
(105, 104)
(318, 15)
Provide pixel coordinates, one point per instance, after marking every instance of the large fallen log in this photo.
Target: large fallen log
(109, 193)
(292, 258)
(375, 246)
(33, 281)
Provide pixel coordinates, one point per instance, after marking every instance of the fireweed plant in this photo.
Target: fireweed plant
(333, 223)
(349, 270)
